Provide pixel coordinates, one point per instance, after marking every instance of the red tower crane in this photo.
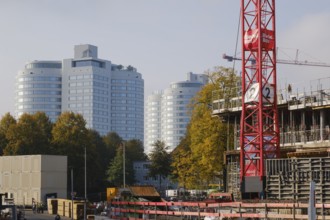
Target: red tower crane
(259, 136)
(282, 61)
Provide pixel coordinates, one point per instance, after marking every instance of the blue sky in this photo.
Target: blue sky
(163, 39)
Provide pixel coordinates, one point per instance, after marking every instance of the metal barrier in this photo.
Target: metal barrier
(200, 210)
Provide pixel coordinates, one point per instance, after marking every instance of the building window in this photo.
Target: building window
(82, 63)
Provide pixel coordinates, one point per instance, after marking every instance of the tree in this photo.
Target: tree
(130, 68)
(160, 161)
(97, 163)
(112, 141)
(182, 162)
(69, 134)
(45, 127)
(133, 152)
(6, 121)
(116, 169)
(199, 156)
(70, 137)
(30, 135)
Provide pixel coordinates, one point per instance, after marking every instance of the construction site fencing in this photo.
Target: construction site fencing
(229, 210)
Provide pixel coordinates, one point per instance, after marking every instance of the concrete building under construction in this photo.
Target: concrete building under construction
(304, 122)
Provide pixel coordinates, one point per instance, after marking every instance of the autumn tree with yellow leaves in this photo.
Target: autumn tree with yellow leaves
(198, 159)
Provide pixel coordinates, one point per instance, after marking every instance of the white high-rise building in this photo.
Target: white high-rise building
(127, 102)
(152, 120)
(39, 88)
(171, 108)
(109, 96)
(86, 87)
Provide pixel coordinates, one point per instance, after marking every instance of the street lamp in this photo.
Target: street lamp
(72, 193)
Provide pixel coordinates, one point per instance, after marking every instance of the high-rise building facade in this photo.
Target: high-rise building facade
(127, 102)
(86, 87)
(109, 96)
(39, 88)
(171, 108)
(152, 120)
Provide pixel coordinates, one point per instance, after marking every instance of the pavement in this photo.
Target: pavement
(29, 215)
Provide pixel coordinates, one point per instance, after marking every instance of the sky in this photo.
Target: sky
(163, 39)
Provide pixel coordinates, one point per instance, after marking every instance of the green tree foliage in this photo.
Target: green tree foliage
(116, 168)
(36, 134)
(133, 152)
(30, 135)
(199, 156)
(70, 137)
(6, 121)
(97, 163)
(160, 161)
(112, 140)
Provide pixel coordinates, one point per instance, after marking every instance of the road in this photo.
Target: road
(29, 215)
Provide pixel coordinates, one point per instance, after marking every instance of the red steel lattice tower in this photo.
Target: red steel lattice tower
(259, 136)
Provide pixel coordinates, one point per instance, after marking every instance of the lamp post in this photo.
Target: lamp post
(71, 192)
(85, 187)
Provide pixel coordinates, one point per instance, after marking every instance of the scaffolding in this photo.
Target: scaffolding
(233, 180)
(233, 184)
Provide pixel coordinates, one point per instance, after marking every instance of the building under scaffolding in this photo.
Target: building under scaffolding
(304, 122)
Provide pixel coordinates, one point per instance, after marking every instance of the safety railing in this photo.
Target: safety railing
(200, 210)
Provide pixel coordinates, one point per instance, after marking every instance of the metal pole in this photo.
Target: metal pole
(227, 132)
(71, 193)
(85, 188)
(124, 168)
(311, 204)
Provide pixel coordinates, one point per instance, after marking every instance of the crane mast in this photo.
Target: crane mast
(259, 136)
